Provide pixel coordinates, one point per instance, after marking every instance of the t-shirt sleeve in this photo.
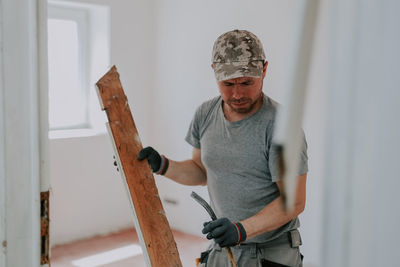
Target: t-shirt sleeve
(303, 163)
(273, 161)
(193, 133)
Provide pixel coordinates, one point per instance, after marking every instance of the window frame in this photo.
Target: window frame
(81, 17)
(93, 22)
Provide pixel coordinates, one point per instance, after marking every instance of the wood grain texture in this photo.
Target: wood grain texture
(157, 235)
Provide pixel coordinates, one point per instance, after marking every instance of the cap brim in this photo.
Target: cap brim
(226, 71)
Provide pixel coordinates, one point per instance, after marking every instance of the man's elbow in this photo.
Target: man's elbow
(204, 182)
(300, 207)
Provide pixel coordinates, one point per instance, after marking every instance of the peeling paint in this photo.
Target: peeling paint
(45, 245)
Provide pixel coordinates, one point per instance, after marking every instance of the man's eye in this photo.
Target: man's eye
(247, 83)
(228, 84)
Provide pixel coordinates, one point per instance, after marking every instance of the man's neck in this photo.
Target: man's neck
(233, 116)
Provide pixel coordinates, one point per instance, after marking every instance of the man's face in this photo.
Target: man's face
(241, 94)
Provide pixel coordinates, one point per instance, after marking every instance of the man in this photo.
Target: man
(233, 155)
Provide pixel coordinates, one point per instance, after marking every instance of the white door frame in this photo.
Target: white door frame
(23, 129)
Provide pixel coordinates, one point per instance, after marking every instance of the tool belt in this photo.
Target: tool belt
(291, 237)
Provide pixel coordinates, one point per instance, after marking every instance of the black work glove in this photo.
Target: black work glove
(159, 164)
(224, 232)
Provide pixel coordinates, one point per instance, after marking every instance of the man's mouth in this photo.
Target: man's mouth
(239, 104)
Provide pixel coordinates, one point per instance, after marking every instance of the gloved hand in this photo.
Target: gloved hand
(224, 232)
(159, 164)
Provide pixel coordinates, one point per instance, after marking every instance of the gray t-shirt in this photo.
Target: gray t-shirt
(240, 162)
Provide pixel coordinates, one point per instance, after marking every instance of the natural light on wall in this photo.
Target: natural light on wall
(67, 87)
(78, 54)
(108, 257)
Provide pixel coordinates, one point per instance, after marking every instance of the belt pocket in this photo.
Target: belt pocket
(202, 261)
(295, 238)
(267, 263)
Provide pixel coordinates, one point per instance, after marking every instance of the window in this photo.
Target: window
(78, 55)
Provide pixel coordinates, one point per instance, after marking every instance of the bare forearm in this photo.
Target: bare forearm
(269, 218)
(273, 215)
(186, 172)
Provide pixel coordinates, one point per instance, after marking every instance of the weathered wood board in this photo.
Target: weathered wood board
(156, 238)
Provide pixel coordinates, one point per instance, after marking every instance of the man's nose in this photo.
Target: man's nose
(237, 92)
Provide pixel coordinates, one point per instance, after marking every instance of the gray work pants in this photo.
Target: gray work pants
(282, 251)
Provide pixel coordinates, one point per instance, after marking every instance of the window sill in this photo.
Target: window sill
(75, 133)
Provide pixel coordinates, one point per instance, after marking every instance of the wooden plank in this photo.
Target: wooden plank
(288, 135)
(152, 226)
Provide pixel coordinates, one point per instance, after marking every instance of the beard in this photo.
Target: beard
(246, 104)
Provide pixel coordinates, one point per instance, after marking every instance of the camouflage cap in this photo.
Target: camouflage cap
(237, 53)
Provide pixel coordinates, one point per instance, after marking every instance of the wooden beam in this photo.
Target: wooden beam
(157, 241)
(288, 135)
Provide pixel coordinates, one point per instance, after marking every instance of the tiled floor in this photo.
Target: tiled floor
(120, 250)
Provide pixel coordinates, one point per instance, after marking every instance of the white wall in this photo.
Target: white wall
(361, 212)
(2, 157)
(315, 129)
(87, 196)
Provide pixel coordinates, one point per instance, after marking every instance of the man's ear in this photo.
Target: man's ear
(212, 66)
(265, 68)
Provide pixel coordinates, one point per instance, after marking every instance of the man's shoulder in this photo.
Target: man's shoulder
(270, 106)
(213, 102)
(271, 102)
(209, 105)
